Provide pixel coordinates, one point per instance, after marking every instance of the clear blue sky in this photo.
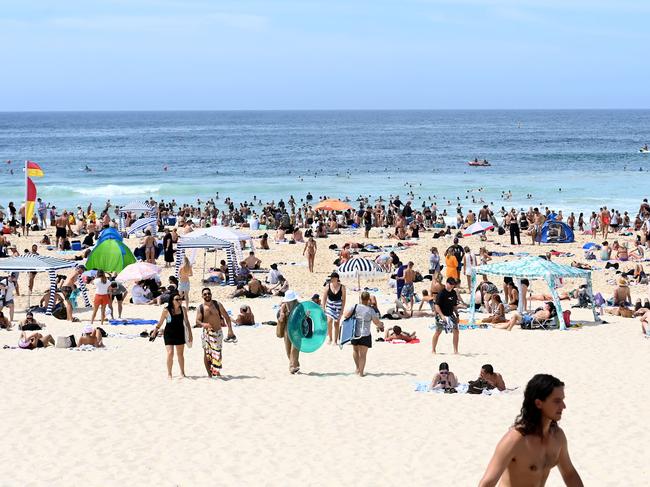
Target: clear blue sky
(301, 54)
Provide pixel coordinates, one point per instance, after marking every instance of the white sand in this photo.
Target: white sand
(111, 417)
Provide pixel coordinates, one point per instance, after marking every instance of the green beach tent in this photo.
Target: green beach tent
(110, 255)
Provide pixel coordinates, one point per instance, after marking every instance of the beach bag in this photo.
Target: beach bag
(66, 342)
(281, 327)
(477, 386)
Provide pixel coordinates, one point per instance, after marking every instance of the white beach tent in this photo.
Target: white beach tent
(135, 207)
(192, 241)
(229, 235)
(41, 263)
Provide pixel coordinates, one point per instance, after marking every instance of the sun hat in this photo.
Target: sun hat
(622, 281)
(290, 296)
(88, 329)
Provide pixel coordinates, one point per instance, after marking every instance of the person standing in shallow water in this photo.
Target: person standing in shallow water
(535, 444)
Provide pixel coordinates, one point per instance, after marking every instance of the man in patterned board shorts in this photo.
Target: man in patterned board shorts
(447, 313)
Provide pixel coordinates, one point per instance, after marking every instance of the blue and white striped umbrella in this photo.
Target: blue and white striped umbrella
(360, 267)
(143, 224)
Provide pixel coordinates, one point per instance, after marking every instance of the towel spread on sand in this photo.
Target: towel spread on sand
(132, 322)
(399, 342)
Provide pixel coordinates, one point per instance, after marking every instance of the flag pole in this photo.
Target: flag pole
(25, 206)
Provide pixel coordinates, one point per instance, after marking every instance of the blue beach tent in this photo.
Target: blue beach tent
(554, 231)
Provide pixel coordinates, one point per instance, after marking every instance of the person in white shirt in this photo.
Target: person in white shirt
(102, 298)
(274, 274)
(139, 295)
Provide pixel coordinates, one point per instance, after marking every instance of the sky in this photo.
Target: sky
(302, 54)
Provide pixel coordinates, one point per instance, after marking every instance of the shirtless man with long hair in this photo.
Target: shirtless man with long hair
(535, 444)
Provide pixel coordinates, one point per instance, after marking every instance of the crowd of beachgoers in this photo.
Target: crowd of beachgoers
(435, 284)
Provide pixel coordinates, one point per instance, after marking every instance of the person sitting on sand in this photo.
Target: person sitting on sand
(264, 241)
(245, 316)
(35, 340)
(273, 275)
(487, 289)
(281, 287)
(29, 323)
(297, 236)
(512, 294)
(497, 311)
(253, 289)
(541, 314)
(252, 262)
(90, 336)
(139, 295)
(396, 333)
(622, 295)
(444, 379)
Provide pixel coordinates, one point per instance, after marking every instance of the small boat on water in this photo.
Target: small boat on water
(644, 150)
(477, 163)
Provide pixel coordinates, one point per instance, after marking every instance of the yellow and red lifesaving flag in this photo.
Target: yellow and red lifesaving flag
(31, 200)
(34, 170)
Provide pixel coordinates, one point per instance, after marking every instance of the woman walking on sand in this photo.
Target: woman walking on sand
(333, 304)
(177, 327)
(310, 249)
(184, 274)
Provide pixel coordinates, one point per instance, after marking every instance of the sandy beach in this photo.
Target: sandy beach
(111, 416)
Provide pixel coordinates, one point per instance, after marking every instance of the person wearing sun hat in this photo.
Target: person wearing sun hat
(90, 336)
(289, 302)
(622, 293)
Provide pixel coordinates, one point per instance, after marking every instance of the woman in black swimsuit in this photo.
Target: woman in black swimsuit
(176, 324)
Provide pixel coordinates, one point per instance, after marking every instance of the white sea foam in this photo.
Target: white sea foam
(111, 190)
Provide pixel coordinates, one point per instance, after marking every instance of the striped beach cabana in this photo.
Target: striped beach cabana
(141, 225)
(41, 263)
(360, 267)
(191, 241)
(534, 268)
(229, 235)
(135, 207)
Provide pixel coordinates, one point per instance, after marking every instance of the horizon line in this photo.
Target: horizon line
(131, 110)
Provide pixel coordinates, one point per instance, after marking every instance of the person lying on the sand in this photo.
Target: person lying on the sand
(29, 323)
(444, 379)
(396, 333)
(488, 379)
(541, 314)
(35, 340)
(245, 316)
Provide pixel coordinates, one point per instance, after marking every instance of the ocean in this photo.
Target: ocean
(574, 160)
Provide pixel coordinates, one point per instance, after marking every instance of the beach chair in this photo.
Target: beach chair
(553, 323)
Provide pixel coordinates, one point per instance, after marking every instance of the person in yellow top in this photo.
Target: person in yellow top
(92, 216)
(71, 219)
(452, 264)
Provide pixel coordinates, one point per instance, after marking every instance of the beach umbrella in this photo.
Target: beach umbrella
(360, 267)
(110, 255)
(478, 227)
(332, 205)
(138, 272)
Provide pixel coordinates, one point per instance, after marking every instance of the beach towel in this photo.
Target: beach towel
(426, 387)
(132, 322)
(399, 342)
(254, 325)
